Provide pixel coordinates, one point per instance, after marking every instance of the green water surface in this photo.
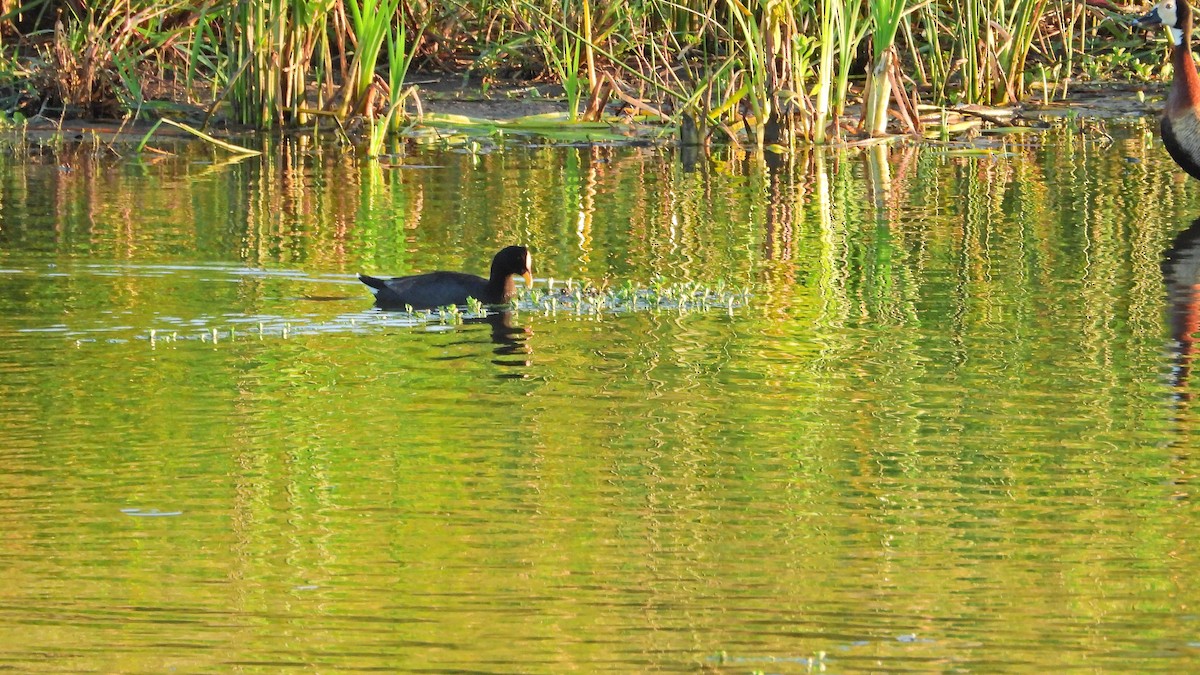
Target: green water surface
(951, 430)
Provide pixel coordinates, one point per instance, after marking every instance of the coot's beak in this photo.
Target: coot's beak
(1148, 20)
(528, 276)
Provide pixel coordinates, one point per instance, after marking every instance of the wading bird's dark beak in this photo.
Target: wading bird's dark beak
(1148, 20)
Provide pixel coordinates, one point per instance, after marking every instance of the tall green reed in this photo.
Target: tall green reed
(777, 59)
(1019, 22)
(851, 29)
(886, 16)
(583, 37)
(569, 43)
(935, 63)
(751, 34)
(563, 51)
(370, 24)
(777, 71)
(400, 57)
(828, 24)
(989, 44)
(271, 44)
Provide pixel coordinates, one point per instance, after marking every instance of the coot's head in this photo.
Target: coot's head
(513, 260)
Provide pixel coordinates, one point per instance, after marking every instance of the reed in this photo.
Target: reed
(1019, 22)
(991, 39)
(777, 61)
(759, 72)
(252, 87)
(569, 43)
(400, 52)
(886, 16)
(370, 25)
(563, 50)
(754, 52)
(936, 64)
(828, 21)
(851, 29)
(270, 65)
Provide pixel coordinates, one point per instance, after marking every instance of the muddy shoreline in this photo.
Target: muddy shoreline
(1107, 101)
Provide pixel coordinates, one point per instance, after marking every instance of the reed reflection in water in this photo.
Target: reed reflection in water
(950, 430)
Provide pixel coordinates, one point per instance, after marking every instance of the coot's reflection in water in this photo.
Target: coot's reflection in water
(508, 339)
(511, 343)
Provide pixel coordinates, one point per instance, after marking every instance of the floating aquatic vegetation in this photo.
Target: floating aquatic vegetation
(460, 130)
(810, 663)
(660, 295)
(553, 298)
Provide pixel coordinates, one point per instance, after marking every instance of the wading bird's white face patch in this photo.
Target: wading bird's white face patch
(1169, 15)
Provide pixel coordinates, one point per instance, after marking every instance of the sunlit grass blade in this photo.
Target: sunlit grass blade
(237, 149)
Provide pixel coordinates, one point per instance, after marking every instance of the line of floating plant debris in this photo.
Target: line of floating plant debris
(659, 296)
(555, 298)
(262, 328)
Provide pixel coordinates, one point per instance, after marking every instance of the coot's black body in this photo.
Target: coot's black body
(438, 289)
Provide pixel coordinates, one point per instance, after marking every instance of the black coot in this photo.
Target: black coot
(438, 289)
